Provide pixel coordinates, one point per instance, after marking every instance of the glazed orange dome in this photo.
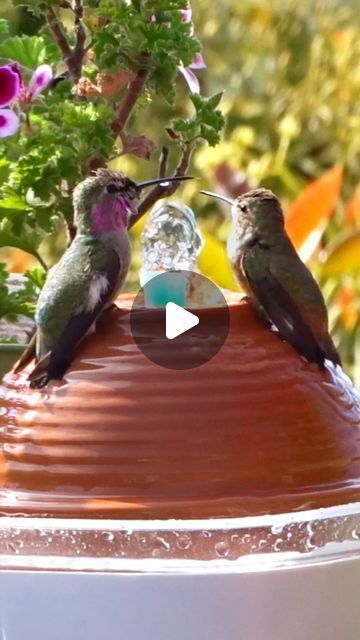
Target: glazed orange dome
(255, 430)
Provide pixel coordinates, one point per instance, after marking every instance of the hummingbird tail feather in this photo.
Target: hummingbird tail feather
(329, 351)
(28, 355)
(285, 315)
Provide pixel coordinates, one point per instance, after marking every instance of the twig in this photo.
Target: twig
(131, 96)
(39, 259)
(80, 32)
(163, 162)
(72, 57)
(163, 192)
(59, 36)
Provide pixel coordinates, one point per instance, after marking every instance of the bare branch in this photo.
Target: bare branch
(59, 36)
(163, 192)
(72, 57)
(79, 33)
(131, 96)
(163, 162)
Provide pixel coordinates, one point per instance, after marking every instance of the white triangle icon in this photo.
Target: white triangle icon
(178, 320)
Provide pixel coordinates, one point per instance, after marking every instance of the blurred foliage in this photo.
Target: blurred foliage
(291, 78)
(292, 89)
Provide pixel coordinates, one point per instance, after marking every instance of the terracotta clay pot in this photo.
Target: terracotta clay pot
(255, 430)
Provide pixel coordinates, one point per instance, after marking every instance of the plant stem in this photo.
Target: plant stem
(39, 259)
(72, 57)
(59, 36)
(163, 192)
(163, 162)
(80, 33)
(131, 96)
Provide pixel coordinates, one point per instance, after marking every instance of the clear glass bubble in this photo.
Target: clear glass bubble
(170, 240)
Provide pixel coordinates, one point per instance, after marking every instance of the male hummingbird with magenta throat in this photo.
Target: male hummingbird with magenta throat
(90, 274)
(271, 273)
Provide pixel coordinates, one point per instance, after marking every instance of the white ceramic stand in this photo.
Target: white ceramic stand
(316, 602)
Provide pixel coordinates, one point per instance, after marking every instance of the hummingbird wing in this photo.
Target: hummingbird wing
(28, 355)
(294, 320)
(74, 295)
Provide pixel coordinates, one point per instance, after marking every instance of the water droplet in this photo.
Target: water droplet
(108, 536)
(161, 544)
(183, 541)
(262, 544)
(276, 529)
(278, 544)
(222, 549)
(206, 534)
(15, 545)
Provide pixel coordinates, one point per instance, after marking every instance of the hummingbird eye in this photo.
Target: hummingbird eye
(132, 193)
(112, 188)
(243, 207)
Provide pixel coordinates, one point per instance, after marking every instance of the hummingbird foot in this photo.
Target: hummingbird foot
(41, 382)
(47, 369)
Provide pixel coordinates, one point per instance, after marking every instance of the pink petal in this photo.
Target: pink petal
(186, 15)
(197, 62)
(9, 85)
(191, 79)
(15, 67)
(39, 80)
(9, 123)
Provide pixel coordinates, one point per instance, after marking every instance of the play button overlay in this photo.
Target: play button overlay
(179, 319)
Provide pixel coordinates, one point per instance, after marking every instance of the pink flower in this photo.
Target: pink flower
(197, 62)
(190, 78)
(9, 122)
(39, 81)
(9, 85)
(12, 88)
(186, 15)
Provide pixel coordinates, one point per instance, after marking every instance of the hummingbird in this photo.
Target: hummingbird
(89, 275)
(277, 282)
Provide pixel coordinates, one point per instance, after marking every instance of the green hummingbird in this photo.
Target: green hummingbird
(279, 285)
(90, 274)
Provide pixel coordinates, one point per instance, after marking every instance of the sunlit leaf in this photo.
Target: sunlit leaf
(352, 208)
(345, 300)
(344, 258)
(213, 262)
(307, 216)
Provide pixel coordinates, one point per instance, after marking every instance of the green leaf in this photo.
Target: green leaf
(29, 51)
(11, 201)
(29, 241)
(37, 275)
(214, 100)
(4, 28)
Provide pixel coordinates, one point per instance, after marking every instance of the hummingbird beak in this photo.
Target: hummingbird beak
(218, 196)
(163, 181)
